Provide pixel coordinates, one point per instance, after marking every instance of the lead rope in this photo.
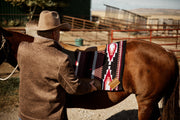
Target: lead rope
(3, 79)
(2, 46)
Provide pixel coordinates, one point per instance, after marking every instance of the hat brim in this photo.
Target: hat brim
(61, 27)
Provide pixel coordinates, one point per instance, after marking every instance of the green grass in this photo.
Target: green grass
(9, 93)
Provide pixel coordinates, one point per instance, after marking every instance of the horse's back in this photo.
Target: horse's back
(82, 48)
(149, 68)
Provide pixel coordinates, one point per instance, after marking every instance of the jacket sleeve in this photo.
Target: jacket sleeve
(69, 81)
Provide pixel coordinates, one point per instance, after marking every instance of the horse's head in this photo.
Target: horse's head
(9, 43)
(6, 51)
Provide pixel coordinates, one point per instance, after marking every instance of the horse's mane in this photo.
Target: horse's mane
(5, 32)
(10, 33)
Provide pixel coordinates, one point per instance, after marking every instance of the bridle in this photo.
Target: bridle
(3, 48)
(3, 42)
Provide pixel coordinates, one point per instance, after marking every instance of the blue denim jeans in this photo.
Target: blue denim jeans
(19, 118)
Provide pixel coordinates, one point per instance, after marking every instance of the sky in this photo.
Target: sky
(134, 4)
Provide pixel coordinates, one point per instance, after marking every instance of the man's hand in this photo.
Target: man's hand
(93, 87)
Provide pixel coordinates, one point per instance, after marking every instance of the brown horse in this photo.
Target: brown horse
(150, 72)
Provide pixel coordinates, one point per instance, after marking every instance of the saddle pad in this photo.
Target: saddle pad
(102, 65)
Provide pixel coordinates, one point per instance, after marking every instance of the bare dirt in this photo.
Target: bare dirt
(126, 110)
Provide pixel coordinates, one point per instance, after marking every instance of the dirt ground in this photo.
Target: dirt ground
(126, 110)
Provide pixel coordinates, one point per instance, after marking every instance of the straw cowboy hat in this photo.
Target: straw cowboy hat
(50, 20)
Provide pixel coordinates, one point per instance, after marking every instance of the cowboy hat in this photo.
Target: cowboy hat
(50, 20)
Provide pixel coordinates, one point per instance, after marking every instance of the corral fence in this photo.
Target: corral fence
(124, 19)
(168, 38)
(123, 24)
(78, 23)
(113, 23)
(16, 20)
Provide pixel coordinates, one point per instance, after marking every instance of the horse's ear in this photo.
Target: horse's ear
(5, 32)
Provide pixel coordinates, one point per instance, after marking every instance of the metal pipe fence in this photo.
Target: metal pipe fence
(168, 38)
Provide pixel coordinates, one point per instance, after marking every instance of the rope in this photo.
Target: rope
(3, 79)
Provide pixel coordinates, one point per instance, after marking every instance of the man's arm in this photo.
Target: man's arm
(70, 82)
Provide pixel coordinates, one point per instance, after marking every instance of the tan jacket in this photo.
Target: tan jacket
(45, 77)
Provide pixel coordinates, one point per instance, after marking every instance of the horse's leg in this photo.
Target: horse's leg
(156, 113)
(147, 109)
(65, 114)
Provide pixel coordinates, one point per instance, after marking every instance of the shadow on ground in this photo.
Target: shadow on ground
(125, 115)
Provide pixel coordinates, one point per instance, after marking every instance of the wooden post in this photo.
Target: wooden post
(111, 36)
(83, 24)
(150, 35)
(96, 36)
(72, 23)
(176, 38)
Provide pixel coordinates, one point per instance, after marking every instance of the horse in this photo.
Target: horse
(150, 72)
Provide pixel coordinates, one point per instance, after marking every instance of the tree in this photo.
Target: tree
(33, 4)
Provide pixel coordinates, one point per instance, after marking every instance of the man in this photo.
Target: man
(46, 74)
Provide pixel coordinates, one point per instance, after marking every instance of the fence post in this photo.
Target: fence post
(150, 35)
(83, 24)
(111, 36)
(177, 38)
(72, 23)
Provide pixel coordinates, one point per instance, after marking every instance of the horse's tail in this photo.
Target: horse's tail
(171, 99)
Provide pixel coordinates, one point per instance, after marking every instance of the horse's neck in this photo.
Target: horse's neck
(26, 38)
(16, 38)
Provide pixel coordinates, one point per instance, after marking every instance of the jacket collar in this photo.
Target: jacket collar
(44, 41)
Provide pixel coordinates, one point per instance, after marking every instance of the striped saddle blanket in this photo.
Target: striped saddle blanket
(103, 65)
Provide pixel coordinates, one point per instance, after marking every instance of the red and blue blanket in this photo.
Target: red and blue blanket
(103, 65)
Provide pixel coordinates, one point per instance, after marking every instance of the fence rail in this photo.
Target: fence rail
(125, 24)
(149, 37)
(78, 23)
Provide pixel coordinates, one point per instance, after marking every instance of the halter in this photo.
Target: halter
(2, 47)
(3, 42)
